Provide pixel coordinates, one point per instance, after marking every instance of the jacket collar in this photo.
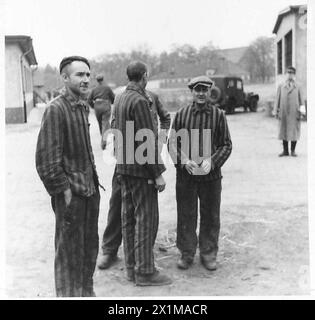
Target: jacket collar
(290, 82)
(74, 100)
(205, 108)
(135, 87)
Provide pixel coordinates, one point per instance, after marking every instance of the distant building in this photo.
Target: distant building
(234, 55)
(290, 30)
(181, 73)
(19, 61)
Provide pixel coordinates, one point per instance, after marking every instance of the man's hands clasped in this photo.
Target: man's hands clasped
(160, 183)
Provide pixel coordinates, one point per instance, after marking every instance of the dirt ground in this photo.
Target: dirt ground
(264, 222)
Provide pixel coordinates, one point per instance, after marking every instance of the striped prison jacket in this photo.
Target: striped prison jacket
(134, 105)
(64, 156)
(208, 117)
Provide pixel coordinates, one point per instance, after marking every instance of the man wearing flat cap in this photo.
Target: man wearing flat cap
(65, 164)
(198, 157)
(100, 99)
(288, 102)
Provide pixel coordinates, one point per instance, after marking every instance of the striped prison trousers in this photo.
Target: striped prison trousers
(140, 219)
(76, 244)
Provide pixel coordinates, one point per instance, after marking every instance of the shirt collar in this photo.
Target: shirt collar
(205, 108)
(290, 82)
(74, 100)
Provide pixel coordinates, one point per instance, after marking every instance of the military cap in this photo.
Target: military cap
(291, 69)
(201, 80)
(67, 60)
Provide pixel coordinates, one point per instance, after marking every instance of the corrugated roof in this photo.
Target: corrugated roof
(285, 12)
(26, 44)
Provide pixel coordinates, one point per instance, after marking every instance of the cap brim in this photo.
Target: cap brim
(201, 84)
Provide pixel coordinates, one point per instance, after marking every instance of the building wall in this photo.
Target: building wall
(301, 54)
(288, 23)
(14, 107)
(13, 85)
(299, 51)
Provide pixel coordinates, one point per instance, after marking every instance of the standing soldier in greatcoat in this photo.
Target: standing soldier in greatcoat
(288, 102)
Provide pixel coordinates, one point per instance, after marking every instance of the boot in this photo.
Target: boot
(285, 149)
(184, 263)
(209, 261)
(154, 279)
(106, 261)
(293, 145)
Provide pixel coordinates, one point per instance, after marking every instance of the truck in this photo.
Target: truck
(228, 93)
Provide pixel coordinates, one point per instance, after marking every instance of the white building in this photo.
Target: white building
(290, 30)
(19, 64)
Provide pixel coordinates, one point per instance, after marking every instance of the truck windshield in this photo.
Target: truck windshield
(230, 84)
(239, 84)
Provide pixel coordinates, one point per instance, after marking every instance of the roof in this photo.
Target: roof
(223, 76)
(287, 11)
(26, 45)
(188, 70)
(232, 54)
(227, 67)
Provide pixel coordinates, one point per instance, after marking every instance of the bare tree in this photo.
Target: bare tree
(259, 59)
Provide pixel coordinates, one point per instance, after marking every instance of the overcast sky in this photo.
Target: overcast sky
(93, 27)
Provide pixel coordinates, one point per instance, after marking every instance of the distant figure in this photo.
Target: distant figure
(288, 104)
(65, 164)
(100, 99)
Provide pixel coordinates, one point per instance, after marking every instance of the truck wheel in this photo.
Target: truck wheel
(215, 94)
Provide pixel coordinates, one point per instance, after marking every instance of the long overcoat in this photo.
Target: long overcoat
(288, 103)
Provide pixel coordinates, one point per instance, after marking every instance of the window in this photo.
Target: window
(288, 49)
(279, 56)
(231, 84)
(239, 84)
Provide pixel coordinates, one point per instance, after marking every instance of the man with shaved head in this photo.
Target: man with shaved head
(65, 164)
(140, 180)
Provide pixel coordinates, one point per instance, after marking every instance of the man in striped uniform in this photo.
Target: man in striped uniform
(199, 177)
(140, 180)
(65, 164)
(112, 236)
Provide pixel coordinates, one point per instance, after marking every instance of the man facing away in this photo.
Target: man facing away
(112, 236)
(65, 164)
(140, 180)
(289, 100)
(100, 99)
(198, 174)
